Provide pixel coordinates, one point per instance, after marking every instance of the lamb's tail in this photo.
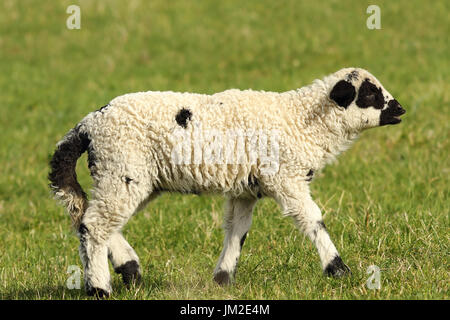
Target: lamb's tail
(63, 178)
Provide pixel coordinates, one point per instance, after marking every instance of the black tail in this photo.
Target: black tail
(63, 178)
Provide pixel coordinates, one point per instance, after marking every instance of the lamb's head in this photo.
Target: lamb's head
(362, 100)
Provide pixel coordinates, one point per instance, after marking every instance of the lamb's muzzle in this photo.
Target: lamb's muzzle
(391, 115)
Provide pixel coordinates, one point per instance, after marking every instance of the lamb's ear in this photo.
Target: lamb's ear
(343, 93)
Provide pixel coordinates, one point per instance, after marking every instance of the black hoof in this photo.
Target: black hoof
(337, 268)
(98, 293)
(130, 272)
(222, 278)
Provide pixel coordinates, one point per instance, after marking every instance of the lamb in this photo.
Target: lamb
(245, 145)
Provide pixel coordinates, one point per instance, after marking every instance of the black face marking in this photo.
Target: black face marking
(337, 268)
(395, 105)
(183, 116)
(353, 75)
(343, 93)
(129, 271)
(243, 240)
(391, 114)
(369, 95)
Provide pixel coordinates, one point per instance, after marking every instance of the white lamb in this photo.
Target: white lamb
(243, 144)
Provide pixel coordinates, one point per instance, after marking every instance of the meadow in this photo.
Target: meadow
(385, 201)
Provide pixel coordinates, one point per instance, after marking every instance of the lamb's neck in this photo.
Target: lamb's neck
(334, 139)
(316, 122)
(304, 104)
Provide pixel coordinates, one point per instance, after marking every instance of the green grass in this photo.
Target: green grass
(385, 201)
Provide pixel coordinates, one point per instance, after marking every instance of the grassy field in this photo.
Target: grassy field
(385, 201)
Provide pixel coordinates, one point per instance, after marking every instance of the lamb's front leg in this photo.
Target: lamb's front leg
(237, 221)
(308, 218)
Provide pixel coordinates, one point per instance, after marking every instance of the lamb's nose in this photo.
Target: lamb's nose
(393, 104)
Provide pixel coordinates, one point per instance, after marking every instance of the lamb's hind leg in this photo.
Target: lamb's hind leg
(114, 202)
(93, 253)
(124, 259)
(237, 221)
(308, 218)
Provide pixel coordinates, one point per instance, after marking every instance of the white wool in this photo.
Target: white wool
(133, 140)
(133, 135)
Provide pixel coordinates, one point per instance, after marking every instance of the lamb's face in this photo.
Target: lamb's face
(365, 103)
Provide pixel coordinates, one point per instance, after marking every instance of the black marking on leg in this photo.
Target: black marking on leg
(82, 233)
(243, 240)
(83, 229)
(337, 268)
(98, 293)
(322, 225)
(183, 116)
(129, 271)
(259, 195)
(222, 278)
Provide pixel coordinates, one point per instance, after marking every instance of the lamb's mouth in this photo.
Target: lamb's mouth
(391, 115)
(398, 116)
